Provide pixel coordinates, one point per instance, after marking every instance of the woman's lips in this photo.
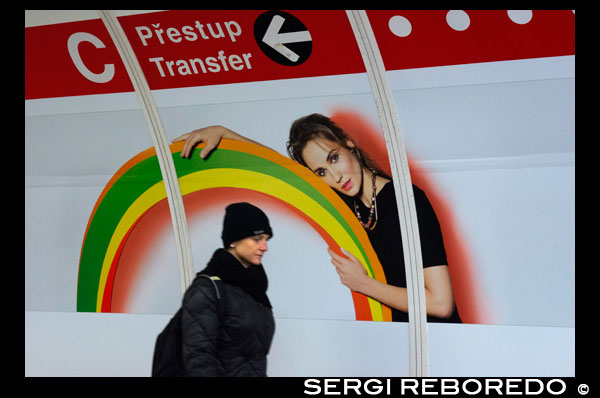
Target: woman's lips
(347, 185)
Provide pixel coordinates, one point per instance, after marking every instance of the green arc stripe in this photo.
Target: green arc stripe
(224, 158)
(117, 200)
(140, 177)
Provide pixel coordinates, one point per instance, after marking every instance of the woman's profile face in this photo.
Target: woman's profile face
(250, 251)
(337, 166)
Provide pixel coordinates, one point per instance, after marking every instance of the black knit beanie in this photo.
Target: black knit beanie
(243, 220)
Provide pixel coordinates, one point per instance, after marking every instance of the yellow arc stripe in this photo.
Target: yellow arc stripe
(263, 183)
(152, 196)
(236, 178)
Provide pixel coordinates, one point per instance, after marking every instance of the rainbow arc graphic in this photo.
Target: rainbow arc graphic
(138, 185)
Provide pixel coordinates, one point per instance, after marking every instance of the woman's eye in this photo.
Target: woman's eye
(334, 158)
(321, 172)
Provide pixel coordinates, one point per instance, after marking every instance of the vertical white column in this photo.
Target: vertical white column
(161, 145)
(403, 186)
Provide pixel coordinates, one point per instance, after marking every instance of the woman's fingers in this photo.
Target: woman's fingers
(211, 136)
(181, 137)
(335, 258)
(190, 141)
(187, 148)
(211, 143)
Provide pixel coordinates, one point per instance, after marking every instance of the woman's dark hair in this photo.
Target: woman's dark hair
(318, 126)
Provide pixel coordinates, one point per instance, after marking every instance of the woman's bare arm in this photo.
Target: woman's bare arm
(438, 288)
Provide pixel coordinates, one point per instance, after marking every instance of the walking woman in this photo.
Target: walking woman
(228, 331)
(316, 142)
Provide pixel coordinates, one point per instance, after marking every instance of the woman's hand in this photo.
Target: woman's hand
(211, 136)
(438, 288)
(352, 273)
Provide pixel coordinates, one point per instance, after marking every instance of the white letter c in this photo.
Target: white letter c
(73, 44)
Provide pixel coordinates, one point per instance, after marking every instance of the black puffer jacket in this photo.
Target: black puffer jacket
(236, 342)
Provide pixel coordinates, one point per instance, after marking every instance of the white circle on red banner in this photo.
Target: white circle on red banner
(458, 19)
(400, 26)
(520, 16)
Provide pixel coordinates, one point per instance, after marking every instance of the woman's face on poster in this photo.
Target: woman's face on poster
(336, 165)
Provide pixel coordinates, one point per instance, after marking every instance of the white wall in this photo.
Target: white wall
(121, 345)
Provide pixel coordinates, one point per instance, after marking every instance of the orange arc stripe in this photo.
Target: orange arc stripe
(128, 165)
(307, 175)
(122, 170)
(363, 312)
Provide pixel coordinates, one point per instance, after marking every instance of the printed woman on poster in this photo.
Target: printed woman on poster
(317, 143)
